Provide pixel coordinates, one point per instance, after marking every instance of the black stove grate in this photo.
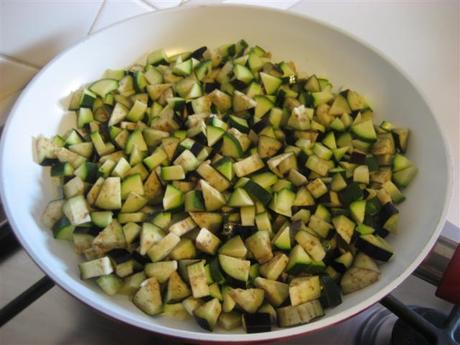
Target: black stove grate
(411, 327)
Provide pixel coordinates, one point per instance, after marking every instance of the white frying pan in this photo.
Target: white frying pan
(315, 47)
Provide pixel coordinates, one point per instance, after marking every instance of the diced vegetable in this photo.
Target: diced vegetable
(258, 322)
(248, 299)
(227, 187)
(148, 297)
(295, 315)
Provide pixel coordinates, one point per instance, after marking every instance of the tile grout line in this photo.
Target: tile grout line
(150, 5)
(11, 93)
(264, 4)
(20, 62)
(145, 5)
(292, 5)
(96, 17)
(182, 2)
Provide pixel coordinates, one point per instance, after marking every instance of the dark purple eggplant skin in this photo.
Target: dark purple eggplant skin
(331, 295)
(210, 87)
(119, 255)
(238, 84)
(338, 266)
(203, 323)
(373, 251)
(198, 53)
(257, 323)
(91, 230)
(258, 126)
(388, 210)
(230, 230)
(196, 148)
(357, 157)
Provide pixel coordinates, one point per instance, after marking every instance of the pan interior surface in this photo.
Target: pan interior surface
(314, 47)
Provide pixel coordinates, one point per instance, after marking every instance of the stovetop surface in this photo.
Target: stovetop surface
(58, 318)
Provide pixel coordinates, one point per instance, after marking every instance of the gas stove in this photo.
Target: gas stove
(55, 317)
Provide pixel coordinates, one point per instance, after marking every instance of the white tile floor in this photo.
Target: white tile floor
(35, 31)
(162, 4)
(16, 74)
(6, 104)
(113, 11)
(420, 35)
(281, 4)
